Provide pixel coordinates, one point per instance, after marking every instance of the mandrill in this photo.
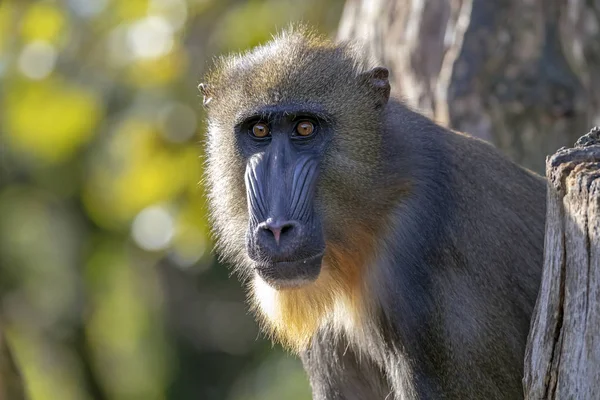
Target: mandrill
(399, 259)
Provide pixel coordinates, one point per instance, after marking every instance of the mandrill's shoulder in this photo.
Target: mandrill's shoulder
(463, 184)
(467, 161)
(483, 168)
(497, 205)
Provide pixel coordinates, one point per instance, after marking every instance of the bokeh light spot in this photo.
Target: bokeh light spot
(150, 37)
(37, 60)
(153, 228)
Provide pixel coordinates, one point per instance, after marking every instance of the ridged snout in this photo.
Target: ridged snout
(283, 227)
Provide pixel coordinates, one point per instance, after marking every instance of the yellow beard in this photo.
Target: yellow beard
(335, 299)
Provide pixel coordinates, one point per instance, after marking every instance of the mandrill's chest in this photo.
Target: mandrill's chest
(294, 316)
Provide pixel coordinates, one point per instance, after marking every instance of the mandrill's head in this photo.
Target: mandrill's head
(294, 158)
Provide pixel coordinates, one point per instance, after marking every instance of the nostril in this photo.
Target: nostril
(286, 228)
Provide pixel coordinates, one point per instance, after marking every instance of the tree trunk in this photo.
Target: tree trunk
(521, 74)
(562, 360)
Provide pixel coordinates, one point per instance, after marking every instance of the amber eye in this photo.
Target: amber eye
(305, 128)
(260, 130)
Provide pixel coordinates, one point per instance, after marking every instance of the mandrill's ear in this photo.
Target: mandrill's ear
(377, 79)
(205, 90)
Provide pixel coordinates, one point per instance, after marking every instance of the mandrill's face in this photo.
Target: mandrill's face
(286, 149)
(282, 147)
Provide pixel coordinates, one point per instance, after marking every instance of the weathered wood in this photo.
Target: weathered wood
(520, 74)
(562, 359)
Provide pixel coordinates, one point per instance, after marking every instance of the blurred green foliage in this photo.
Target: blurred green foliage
(109, 288)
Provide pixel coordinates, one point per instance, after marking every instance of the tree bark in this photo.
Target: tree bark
(562, 359)
(521, 74)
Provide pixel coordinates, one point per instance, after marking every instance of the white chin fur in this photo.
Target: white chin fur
(266, 297)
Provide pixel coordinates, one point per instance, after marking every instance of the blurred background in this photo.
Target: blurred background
(110, 288)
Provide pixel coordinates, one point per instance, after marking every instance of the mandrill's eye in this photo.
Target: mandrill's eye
(305, 128)
(260, 130)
